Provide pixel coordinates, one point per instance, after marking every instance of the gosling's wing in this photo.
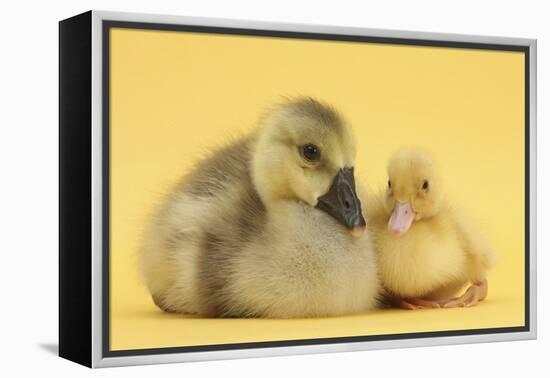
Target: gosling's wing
(224, 179)
(221, 168)
(234, 215)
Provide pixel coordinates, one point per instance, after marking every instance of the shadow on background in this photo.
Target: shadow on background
(50, 348)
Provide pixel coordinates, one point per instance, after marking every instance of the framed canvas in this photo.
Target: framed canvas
(236, 189)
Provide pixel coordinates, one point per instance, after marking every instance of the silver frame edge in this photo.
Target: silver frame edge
(97, 358)
(97, 192)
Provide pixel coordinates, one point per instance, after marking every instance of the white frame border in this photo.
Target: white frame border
(99, 361)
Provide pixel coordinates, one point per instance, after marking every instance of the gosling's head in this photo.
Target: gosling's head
(305, 152)
(414, 189)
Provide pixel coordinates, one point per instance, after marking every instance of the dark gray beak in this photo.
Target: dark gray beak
(341, 202)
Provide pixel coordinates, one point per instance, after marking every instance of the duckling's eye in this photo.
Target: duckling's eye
(389, 184)
(311, 152)
(425, 185)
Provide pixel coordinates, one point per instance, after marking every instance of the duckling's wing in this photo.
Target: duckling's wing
(476, 245)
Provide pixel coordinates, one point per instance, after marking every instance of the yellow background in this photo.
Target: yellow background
(176, 94)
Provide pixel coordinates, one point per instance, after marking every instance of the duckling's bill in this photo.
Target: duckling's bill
(342, 203)
(401, 219)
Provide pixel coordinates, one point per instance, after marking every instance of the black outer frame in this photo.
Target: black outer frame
(82, 324)
(75, 189)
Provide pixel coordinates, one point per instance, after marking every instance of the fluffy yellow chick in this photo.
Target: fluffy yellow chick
(427, 248)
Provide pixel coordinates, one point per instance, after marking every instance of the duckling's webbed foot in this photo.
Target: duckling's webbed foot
(475, 294)
(416, 303)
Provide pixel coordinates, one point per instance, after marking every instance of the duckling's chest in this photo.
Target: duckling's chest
(420, 261)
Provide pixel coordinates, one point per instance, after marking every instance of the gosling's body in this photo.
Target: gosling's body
(217, 248)
(440, 254)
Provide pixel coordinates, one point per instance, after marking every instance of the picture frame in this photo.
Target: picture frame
(86, 203)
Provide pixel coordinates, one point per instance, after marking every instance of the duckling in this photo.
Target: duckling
(427, 248)
(270, 225)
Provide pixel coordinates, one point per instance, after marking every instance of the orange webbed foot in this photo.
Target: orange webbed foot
(475, 294)
(416, 303)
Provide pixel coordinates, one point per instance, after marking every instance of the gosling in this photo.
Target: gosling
(268, 226)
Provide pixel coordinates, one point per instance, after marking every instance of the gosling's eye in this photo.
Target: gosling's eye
(311, 152)
(425, 185)
(389, 184)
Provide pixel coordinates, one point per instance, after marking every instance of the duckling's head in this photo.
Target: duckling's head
(305, 152)
(414, 189)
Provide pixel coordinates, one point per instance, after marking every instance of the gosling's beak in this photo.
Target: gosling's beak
(342, 203)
